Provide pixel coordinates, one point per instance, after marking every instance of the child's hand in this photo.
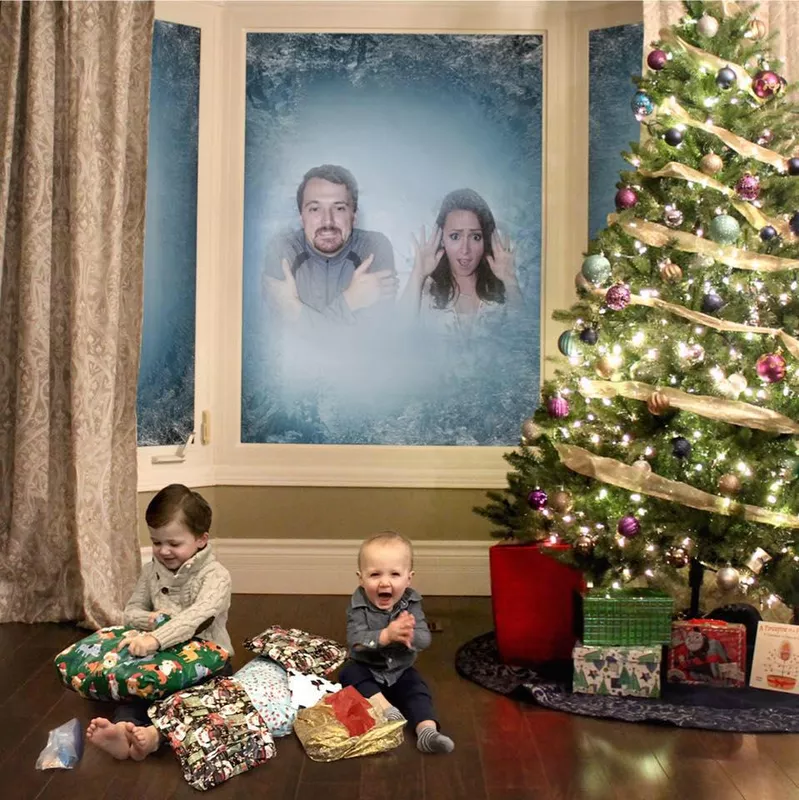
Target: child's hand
(401, 629)
(143, 645)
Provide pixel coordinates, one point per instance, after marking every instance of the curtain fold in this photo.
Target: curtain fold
(779, 16)
(74, 96)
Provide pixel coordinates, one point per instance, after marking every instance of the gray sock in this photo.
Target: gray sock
(393, 714)
(429, 740)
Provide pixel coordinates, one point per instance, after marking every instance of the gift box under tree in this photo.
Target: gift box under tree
(619, 670)
(707, 652)
(637, 617)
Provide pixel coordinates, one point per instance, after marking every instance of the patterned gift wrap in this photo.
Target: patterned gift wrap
(267, 685)
(298, 651)
(99, 667)
(214, 730)
(708, 652)
(633, 617)
(626, 671)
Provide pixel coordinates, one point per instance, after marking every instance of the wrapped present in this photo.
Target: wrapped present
(628, 616)
(346, 725)
(708, 652)
(621, 670)
(100, 667)
(775, 663)
(214, 730)
(267, 684)
(298, 650)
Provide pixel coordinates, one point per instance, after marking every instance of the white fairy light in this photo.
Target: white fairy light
(635, 497)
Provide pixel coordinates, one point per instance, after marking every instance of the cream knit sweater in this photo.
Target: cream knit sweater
(196, 597)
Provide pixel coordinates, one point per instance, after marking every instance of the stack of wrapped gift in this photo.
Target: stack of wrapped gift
(708, 652)
(623, 637)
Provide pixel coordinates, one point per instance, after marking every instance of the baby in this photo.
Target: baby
(386, 629)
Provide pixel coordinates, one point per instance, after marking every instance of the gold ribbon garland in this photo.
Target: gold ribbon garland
(656, 235)
(615, 473)
(734, 412)
(791, 344)
(753, 215)
(742, 77)
(741, 146)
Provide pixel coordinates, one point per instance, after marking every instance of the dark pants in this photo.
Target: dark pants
(409, 694)
(136, 710)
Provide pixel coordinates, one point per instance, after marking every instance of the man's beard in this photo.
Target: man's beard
(328, 244)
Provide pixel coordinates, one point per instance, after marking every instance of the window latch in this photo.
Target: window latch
(178, 457)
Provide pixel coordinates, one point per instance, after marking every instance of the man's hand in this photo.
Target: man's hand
(367, 288)
(400, 630)
(143, 645)
(284, 293)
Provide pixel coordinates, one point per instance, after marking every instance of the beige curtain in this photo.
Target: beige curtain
(780, 17)
(74, 94)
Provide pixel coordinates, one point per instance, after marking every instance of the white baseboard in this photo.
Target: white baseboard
(327, 566)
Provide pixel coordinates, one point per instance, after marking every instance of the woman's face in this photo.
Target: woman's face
(463, 241)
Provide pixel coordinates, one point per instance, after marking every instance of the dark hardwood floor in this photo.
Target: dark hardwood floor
(504, 751)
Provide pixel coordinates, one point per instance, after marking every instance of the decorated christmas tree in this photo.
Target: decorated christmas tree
(670, 437)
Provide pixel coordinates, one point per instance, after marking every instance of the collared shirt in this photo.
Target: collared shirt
(364, 624)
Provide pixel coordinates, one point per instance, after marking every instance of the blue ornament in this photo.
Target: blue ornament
(768, 233)
(642, 105)
(589, 335)
(724, 229)
(673, 136)
(596, 269)
(725, 78)
(566, 344)
(793, 166)
(680, 447)
(711, 303)
(794, 223)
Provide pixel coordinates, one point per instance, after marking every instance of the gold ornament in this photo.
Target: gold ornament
(561, 502)
(758, 29)
(584, 546)
(711, 164)
(670, 271)
(728, 578)
(530, 431)
(729, 484)
(678, 557)
(608, 366)
(658, 403)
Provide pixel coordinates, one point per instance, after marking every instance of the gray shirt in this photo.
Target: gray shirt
(322, 279)
(364, 624)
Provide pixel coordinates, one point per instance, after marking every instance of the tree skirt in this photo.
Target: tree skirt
(742, 710)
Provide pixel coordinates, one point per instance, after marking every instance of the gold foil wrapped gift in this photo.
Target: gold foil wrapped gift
(325, 737)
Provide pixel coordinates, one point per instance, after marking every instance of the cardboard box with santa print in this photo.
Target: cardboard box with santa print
(775, 663)
(707, 652)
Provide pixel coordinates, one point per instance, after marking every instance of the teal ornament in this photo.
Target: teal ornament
(642, 105)
(724, 229)
(567, 344)
(596, 269)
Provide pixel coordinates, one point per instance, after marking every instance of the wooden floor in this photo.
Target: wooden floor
(504, 751)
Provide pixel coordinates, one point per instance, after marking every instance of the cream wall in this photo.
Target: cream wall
(346, 492)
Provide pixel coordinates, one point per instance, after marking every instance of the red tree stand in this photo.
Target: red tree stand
(534, 598)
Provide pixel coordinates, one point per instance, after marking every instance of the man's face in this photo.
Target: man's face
(327, 215)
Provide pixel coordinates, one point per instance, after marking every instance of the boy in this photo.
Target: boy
(386, 629)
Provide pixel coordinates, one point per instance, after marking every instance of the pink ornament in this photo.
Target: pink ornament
(657, 59)
(537, 499)
(557, 407)
(771, 367)
(629, 527)
(748, 187)
(617, 297)
(767, 83)
(626, 198)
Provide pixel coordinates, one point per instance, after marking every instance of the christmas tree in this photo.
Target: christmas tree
(671, 437)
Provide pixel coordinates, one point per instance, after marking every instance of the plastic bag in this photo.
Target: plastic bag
(64, 747)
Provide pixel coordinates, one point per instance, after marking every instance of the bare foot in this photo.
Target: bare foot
(109, 736)
(144, 741)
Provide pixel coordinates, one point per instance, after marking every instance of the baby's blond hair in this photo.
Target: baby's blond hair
(384, 537)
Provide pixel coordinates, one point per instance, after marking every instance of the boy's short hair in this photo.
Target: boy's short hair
(385, 537)
(177, 499)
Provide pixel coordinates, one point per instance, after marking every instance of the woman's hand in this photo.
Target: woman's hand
(427, 252)
(503, 262)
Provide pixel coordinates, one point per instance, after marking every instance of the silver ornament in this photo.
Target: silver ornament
(728, 578)
(673, 217)
(708, 26)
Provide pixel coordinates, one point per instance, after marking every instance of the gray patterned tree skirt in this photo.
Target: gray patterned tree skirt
(741, 710)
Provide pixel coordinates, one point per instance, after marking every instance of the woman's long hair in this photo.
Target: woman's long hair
(443, 287)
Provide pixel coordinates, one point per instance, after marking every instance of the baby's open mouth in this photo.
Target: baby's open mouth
(384, 595)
